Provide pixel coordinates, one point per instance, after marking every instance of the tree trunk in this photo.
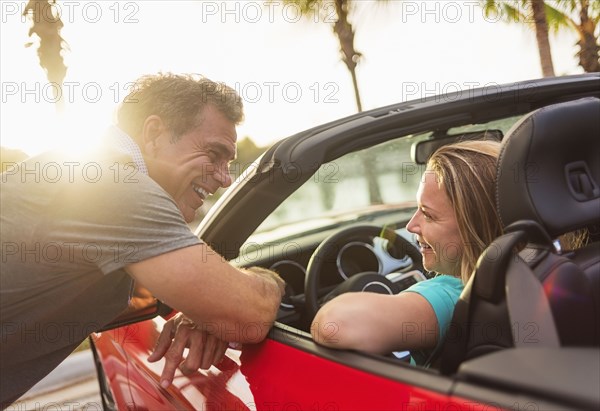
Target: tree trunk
(589, 52)
(541, 34)
(345, 34)
(356, 92)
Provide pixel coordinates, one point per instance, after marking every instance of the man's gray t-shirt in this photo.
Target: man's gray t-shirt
(68, 229)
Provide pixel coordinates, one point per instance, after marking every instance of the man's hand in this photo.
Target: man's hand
(180, 333)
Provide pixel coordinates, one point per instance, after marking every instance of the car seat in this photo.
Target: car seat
(525, 291)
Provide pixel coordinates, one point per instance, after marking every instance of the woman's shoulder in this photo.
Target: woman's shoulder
(439, 284)
(446, 279)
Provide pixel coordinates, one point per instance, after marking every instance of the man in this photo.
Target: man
(80, 234)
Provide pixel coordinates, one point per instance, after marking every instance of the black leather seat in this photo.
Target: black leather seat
(525, 292)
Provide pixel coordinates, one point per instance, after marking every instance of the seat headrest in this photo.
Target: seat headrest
(549, 168)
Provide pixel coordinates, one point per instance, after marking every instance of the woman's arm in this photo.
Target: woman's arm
(376, 323)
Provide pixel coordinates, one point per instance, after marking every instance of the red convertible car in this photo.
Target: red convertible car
(525, 332)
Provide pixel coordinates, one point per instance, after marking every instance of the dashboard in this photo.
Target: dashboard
(355, 257)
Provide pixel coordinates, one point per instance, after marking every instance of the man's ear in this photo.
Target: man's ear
(152, 129)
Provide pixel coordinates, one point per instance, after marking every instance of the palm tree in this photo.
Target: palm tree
(46, 24)
(514, 11)
(338, 11)
(583, 17)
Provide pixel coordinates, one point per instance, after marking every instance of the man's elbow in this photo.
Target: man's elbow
(254, 333)
(261, 313)
(256, 328)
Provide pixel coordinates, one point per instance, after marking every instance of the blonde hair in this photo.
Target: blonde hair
(467, 171)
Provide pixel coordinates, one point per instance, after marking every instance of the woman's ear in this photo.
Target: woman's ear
(152, 130)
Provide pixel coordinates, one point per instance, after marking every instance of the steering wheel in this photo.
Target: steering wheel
(328, 250)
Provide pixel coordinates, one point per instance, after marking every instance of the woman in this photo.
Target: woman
(455, 221)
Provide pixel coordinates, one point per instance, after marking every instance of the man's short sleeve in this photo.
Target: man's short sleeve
(117, 218)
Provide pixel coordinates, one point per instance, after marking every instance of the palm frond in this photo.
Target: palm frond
(558, 19)
(309, 8)
(509, 11)
(594, 12)
(46, 25)
(568, 6)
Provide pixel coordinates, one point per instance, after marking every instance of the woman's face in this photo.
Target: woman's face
(436, 228)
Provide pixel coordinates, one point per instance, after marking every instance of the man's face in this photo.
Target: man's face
(197, 164)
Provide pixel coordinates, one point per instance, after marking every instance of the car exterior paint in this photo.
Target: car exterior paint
(239, 382)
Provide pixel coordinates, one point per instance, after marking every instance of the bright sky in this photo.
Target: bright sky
(287, 70)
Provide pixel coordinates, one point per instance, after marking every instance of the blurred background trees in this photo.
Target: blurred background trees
(583, 18)
(46, 26)
(517, 12)
(336, 13)
(579, 16)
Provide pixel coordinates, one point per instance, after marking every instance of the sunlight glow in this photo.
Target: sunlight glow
(288, 70)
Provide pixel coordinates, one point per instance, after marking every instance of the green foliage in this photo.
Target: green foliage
(510, 11)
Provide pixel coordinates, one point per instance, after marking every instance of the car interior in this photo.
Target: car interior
(531, 293)
(345, 251)
(333, 203)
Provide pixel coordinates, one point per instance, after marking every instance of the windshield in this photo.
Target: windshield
(380, 177)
